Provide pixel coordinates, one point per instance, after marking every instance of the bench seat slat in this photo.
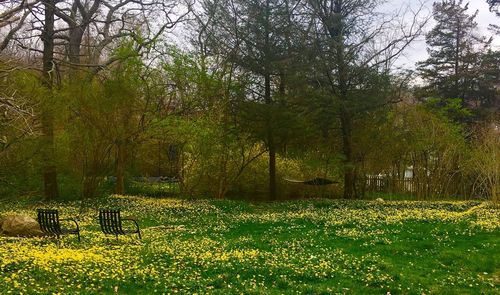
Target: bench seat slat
(49, 222)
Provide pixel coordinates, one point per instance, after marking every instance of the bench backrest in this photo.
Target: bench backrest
(49, 221)
(110, 221)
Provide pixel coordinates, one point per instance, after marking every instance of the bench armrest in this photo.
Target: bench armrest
(131, 219)
(73, 220)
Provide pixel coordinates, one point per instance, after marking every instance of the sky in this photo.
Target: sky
(417, 51)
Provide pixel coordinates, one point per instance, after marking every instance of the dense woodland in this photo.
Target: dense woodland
(234, 98)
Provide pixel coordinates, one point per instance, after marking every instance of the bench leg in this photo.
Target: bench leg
(58, 241)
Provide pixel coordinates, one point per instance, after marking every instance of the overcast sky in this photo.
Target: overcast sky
(418, 51)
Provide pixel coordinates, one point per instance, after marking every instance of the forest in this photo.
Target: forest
(232, 99)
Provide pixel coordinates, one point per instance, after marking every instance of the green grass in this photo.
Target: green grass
(232, 247)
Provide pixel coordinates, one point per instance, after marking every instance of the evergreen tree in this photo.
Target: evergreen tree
(254, 38)
(354, 47)
(453, 69)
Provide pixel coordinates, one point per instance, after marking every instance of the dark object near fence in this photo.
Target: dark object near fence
(314, 181)
(50, 223)
(111, 223)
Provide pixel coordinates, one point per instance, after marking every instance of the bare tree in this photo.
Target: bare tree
(15, 112)
(17, 120)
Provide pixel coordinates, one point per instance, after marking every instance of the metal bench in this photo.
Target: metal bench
(111, 223)
(50, 223)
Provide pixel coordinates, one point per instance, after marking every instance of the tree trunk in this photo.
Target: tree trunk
(272, 172)
(267, 97)
(270, 142)
(90, 185)
(75, 41)
(48, 149)
(456, 89)
(335, 30)
(349, 173)
(120, 169)
(346, 129)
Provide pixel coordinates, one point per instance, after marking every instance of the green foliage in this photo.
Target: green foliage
(213, 156)
(106, 112)
(214, 118)
(423, 140)
(20, 94)
(448, 109)
(283, 121)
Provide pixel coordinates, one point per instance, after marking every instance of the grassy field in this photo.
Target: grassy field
(229, 247)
